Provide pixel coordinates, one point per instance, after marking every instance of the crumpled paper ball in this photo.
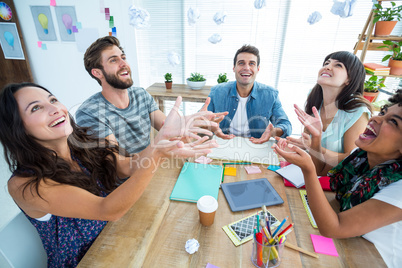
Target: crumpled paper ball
(258, 4)
(192, 246)
(220, 17)
(343, 9)
(174, 58)
(314, 17)
(139, 17)
(215, 38)
(193, 15)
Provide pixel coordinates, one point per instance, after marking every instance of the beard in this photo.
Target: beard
(115, 82)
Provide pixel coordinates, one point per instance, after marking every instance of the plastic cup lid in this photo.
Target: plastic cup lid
(207, 204)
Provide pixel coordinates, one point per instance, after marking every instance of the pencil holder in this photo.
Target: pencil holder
(265, 255)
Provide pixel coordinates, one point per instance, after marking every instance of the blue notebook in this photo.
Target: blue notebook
(196, 180)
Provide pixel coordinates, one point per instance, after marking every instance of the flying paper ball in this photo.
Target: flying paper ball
(215, 38)
(139, 17)
(258, 4)
(174, 58)
(344, 9)
(193, 15)
(314, 17)
(219, 17)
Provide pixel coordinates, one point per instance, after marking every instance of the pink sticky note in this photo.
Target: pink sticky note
(324, 245)
(203, 160)
(211, 266)
(39, 43)
(53, 3)
(252, 169)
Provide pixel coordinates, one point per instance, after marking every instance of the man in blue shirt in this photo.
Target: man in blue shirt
(255, 110)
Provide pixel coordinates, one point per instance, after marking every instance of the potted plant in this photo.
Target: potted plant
(222, 78)
(196, 81)
(371, 87)
(168, 80)
(385, 19)
(395, 59)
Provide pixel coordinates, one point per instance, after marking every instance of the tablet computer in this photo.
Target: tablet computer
(243, 195)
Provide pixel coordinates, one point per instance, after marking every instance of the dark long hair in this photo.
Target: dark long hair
(27, 158)
(351, 96)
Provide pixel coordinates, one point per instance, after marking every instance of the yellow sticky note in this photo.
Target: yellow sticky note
(230, 171)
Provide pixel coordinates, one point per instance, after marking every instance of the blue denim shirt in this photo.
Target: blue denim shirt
(263, 107)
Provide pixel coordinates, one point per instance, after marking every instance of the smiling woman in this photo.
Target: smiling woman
(69, 183)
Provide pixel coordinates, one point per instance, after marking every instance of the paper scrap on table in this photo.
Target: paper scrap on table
(211, 266)
(203, 160)
(53, 3)
(230, 171)
(193, 15)
(139, 17)
(192, 246)
(314, 17)
(273, 168)
(215, 38)
(39, 43)
(252, 169)
(258, 4)
(220, 17)
(344, 9)
(324, 245)
(174, 58)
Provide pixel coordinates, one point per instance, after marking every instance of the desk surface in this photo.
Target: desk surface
(154, 231)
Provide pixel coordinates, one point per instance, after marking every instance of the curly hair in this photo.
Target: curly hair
(351, 96)
(28, 158)
(395, 99)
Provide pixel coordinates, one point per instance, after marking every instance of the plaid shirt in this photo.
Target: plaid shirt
(131, 126)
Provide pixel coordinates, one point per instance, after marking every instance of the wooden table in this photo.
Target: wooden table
(154, 231)
(159, 92)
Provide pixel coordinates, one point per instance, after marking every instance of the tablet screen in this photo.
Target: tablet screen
(243, 195)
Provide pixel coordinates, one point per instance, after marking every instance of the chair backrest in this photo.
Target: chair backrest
(20, 245)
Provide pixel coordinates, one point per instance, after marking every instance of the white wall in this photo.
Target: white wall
(60, 68)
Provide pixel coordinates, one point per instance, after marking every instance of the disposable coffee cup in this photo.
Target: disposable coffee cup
(207, 206)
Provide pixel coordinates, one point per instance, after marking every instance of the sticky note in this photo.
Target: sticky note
(107, 13)
(252, 169)
(102, 6)
(110, 33)
(230, 171)
(211, 266)
(39, 43)
(75, 30)
(113, 29)
(273, 168)
(53, 3)
(79, 25)
(203, 160)
(324, 245)
(114, 34)
(44, 47)
(111, 23)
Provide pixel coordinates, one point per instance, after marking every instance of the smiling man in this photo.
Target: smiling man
(255, 110)
(120, 112)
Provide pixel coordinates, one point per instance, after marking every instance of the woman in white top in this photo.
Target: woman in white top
(367, 183)
(343, 111)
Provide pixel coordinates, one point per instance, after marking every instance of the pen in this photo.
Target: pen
(280, 226)
(223, 172)
(239, 163)
(284, 230)
(264, 208)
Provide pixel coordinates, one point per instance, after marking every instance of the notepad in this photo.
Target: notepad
(324, 245)
(242, 150)
(196, 180)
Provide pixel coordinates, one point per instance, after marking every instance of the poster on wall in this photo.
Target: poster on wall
(10, 41)
(43, 21)
(66, 19)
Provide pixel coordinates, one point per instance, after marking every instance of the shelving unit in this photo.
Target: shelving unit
(367, 41)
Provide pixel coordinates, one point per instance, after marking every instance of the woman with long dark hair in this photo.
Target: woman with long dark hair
(69, 183)
(337, 102)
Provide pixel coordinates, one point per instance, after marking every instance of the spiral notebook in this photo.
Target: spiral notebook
(196, 180)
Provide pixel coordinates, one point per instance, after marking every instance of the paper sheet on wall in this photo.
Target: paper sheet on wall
(242, 150)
